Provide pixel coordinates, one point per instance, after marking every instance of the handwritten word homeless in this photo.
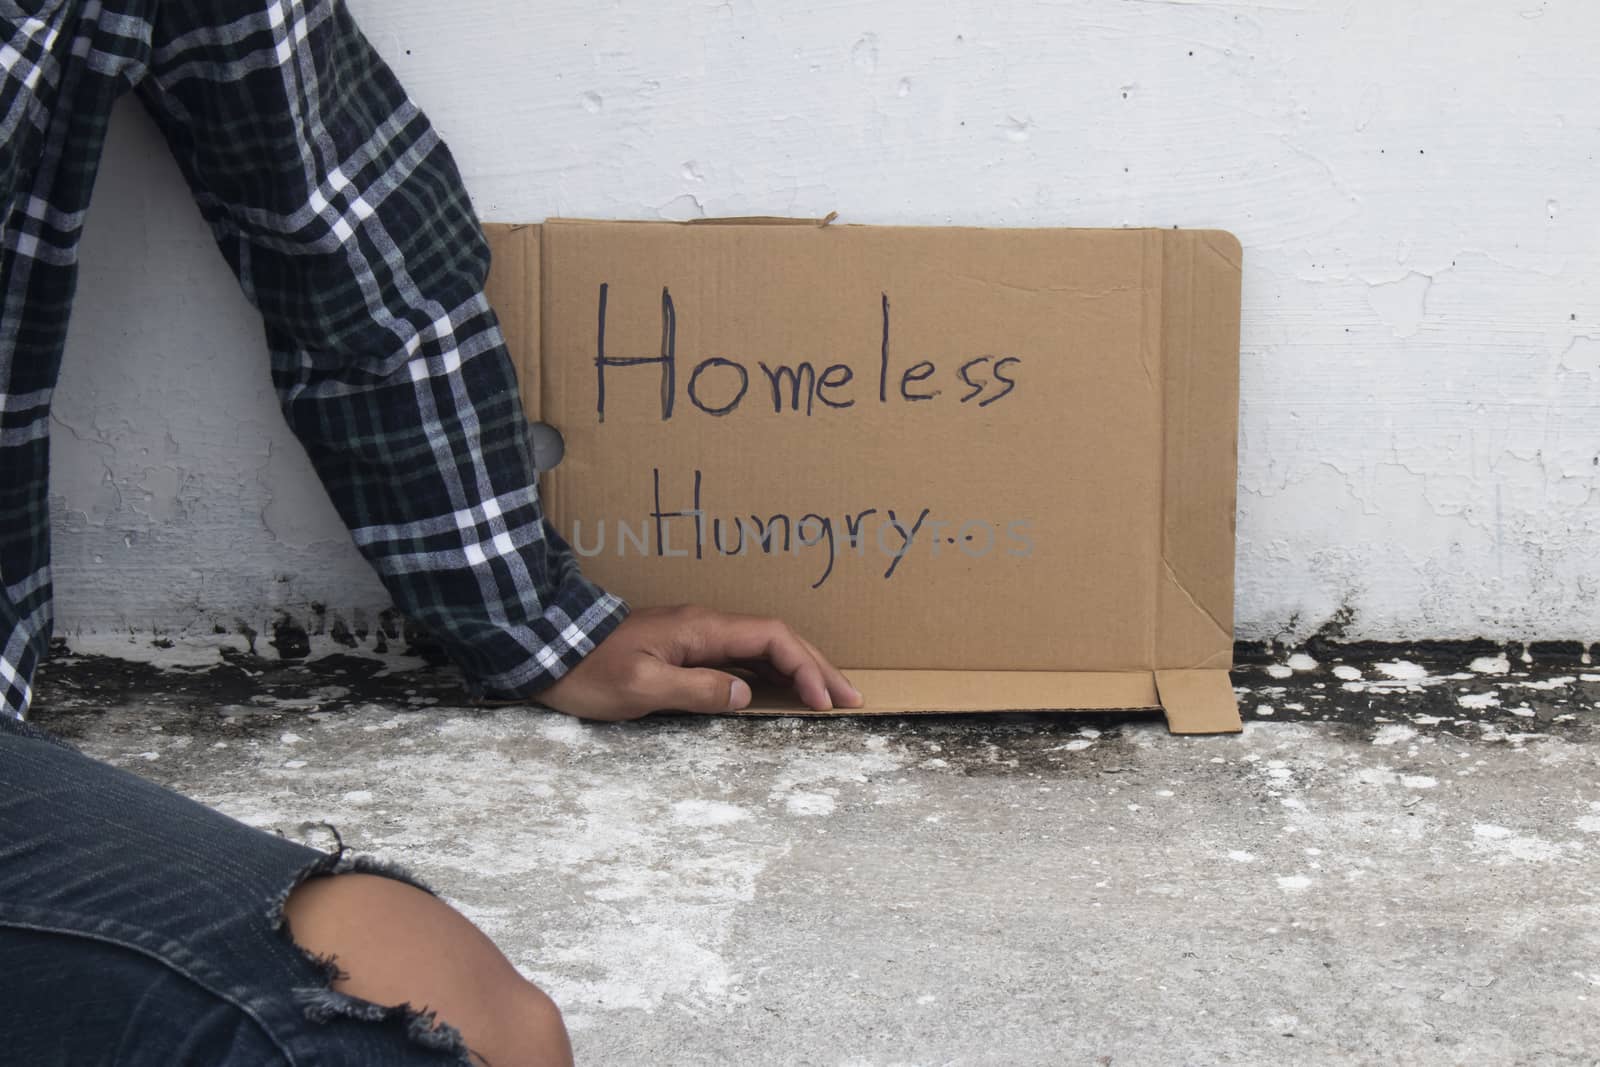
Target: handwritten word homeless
(718, 386)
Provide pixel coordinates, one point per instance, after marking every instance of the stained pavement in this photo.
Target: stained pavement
(1397, 862)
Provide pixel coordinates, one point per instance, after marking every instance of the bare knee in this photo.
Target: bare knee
(394, 944)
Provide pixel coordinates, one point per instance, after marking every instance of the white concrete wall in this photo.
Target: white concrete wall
(1415, 185)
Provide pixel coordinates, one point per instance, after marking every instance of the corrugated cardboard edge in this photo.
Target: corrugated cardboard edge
(1193, 636)
(893, 692)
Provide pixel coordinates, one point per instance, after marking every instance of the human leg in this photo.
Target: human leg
(442, 962)
(151, 923)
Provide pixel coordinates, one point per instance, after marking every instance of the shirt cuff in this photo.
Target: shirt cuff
(519, 662)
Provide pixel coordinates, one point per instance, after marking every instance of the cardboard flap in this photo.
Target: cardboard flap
(1199, 702)
(1200, 359)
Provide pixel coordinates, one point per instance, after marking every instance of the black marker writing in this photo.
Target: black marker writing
(907, 536)
(668, 357)
(718, 385)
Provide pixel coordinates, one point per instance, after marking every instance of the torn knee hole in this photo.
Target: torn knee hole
(323, 1003)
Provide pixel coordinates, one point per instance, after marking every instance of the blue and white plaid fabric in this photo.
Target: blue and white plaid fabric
(343, 215)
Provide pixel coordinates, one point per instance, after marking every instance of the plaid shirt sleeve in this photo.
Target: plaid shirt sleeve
(344, 217)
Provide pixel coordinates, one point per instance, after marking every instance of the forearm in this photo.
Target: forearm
(345, 218)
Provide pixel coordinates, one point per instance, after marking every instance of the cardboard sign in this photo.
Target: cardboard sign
(980, 469)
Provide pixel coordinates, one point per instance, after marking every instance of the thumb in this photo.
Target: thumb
(698, 689)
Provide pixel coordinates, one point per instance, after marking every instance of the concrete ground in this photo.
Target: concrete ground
(1398, 861)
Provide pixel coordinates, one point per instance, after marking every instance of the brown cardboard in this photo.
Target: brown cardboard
(1066, 401)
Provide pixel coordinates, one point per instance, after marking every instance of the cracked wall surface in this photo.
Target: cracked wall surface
(1412, 184)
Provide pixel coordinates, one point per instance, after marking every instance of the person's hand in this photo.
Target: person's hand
(664, 658)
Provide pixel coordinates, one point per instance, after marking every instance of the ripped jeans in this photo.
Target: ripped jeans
(138, 927)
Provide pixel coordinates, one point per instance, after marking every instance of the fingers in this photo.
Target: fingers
(697, 689)
(844, 694)
(724, 637)
(719, 638)
(763, 671)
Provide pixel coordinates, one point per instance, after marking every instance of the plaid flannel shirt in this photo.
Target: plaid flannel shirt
(343, 215)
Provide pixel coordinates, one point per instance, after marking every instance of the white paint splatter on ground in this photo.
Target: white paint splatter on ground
(831, 768)
(565, 730)
(1294, 883)
(1240, 856)
(697, 812)
(1548, 684)
(1506, 845)
(1378, 776)
(652, 887)
(1418, 781)
(1402, 670)
(1346, 673)
(1302, 662)
(1279, 670)
(1393, 734)
(1479, 700)
(678, 901)
(809, 804)
(1491, 664)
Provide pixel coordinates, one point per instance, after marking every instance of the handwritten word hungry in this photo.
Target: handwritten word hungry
(704, 536)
